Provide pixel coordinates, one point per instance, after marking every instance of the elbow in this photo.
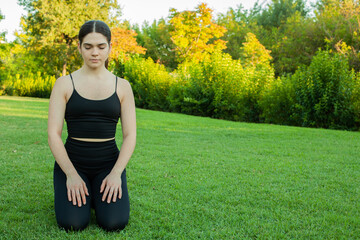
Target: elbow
(53, 136)
(130, 138)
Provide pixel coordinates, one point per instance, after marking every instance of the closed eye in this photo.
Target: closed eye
(100, 46)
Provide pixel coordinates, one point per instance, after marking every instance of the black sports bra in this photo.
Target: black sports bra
(88, 118)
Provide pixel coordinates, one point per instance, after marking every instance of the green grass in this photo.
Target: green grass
(193, 178)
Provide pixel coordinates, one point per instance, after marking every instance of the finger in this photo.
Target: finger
(110, 195)
(86, 190)
(120, 192)
(115, 194)
(103, 184)
(69, 195)
(83, 197)
(105, 193)
(78, 197)
(73, 197)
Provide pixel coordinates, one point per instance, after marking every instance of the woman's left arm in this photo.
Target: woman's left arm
(111, 185)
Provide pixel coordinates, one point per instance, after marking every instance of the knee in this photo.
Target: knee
(73, 225)
(113, 225)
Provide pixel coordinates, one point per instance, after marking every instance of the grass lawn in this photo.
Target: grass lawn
(193, 178)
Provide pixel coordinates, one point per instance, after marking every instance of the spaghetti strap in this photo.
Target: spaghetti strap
(116, 84)
(72, 81)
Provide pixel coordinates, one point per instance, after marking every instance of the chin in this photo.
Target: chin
(95, 65)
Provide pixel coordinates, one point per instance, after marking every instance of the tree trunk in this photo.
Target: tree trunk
(67, 54)
(64, 69)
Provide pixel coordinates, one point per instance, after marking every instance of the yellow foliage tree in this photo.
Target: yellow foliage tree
(192, 31)
(124, 43)
(254, 53)
(256, 60)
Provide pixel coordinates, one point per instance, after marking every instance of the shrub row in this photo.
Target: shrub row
(217, 87)
(32, 85)
(325, 94)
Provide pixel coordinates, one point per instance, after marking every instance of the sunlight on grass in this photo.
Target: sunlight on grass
(32, 115)
(23, 99)
(15, 106)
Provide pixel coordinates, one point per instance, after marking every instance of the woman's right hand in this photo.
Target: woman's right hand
(76, 189)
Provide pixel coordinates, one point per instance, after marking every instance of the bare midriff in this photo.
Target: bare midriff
(93, 139)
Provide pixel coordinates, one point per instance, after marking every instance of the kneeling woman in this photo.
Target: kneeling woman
(89, 169)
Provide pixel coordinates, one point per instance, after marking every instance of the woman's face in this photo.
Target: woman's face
(94, 50)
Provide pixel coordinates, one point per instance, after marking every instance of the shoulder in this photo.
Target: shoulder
(124, 88)
(63, 82)
(124, 83)
(63, 86)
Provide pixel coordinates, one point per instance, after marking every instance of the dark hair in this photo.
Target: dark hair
(98, 27)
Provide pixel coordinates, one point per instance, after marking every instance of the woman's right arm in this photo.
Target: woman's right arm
(75, 185)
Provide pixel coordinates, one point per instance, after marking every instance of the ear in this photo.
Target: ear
(110, 47)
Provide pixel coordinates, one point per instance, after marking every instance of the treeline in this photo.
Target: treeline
(282, 63)
(290, 29)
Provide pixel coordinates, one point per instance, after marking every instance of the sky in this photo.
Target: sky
(136, 11)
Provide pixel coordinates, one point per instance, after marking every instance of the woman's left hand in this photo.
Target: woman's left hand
(112, 186)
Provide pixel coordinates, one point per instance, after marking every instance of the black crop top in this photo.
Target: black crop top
(88, 118)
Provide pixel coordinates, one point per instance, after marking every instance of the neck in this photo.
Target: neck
(93, 71)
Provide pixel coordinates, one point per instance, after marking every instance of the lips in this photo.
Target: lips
(94, 60)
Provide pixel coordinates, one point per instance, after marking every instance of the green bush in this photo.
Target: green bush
(258, 78)
(355, 98)
(32, 85)
(225, 78)
(324, 94)
(211, 87)
(186, 94)
(219, 87)
(150, 82)
(277, 102)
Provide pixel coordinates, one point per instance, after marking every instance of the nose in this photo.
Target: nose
(95, 52)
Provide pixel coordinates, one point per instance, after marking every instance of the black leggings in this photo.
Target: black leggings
(93, 161)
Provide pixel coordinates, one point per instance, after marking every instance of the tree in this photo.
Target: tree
(2, 34)
(256, 60)
(194, 33)
(124, 42)
(51, 27)
(254, 54)
(283, 29)
(282, 26)
(238, 22)
(338, 22)
(297, 45)
(3, 48)
(156, 39)
(279, 11)
(123, 45)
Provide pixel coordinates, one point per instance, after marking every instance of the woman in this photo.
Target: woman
(89, 169)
